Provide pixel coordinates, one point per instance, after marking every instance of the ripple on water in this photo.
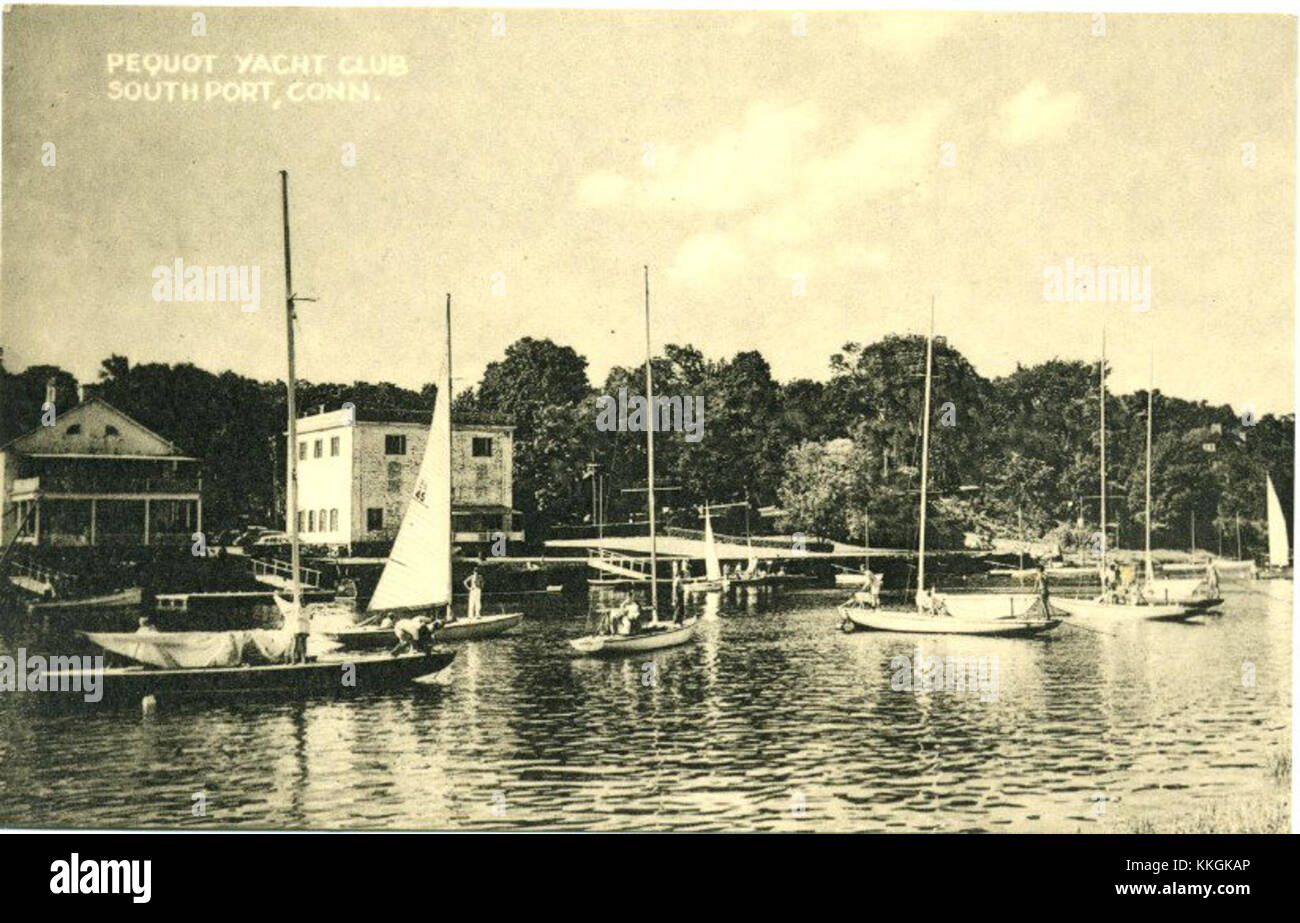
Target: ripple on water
(773, 720)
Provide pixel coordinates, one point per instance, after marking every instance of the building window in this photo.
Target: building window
(111, 431)
(334, 520)
(481, 447)
(302, 451)
(311, 520)
(323, 519)
(72, 430)
(374, 519)
(302, 519)
(334, 446)
(394, 445)
(316, 449)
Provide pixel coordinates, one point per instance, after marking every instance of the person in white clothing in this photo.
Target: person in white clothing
(474, 583)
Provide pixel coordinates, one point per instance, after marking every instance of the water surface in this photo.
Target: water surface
(772, 720)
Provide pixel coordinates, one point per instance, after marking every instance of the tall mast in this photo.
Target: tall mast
(1101, 381)
(866, 541)
(292, 453)
(1150, 571)
(447, 383)
(925, 451)
(650, 454)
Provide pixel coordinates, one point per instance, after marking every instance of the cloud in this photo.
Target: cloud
(771, 189)
(707, 260)
(882, 157)
(738, 169)
(1035, 114)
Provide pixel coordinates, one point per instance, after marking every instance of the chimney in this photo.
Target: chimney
(49, 391)
(81, 393)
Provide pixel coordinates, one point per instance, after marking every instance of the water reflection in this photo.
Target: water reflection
(772, 719)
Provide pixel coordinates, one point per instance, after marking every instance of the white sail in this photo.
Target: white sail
(418, 572)
(1278, 550)
(712, 566)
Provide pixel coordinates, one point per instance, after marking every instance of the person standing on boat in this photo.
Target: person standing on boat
(303, 629)
(874, 582)
(474, 583)
(1212, 577)
(1042, 589)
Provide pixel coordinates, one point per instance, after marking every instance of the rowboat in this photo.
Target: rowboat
(337, 675)
(122, 599)
(655, 636)
(464, 629)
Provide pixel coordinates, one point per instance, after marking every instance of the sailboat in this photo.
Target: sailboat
(1107, 604)
(1004, 615)
(206, 662)
(1279, 551)
(1192, 594)
(417, 575)
(655, 635)
(712, 581)
(859, 578)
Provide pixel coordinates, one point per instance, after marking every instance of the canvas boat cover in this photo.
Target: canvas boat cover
(197, 649)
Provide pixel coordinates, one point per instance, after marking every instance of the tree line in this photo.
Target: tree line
(1010, 456)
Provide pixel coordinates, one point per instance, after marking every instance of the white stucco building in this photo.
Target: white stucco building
(356, 475)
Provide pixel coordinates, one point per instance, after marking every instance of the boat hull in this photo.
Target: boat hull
(122, 600)
(320, 677)
(484, 626)
(869, 619)
(1121, 612)
(467, 629)
(615, 645)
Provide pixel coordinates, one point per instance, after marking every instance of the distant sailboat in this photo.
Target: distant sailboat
(712, 579)
(417, 578)
(984, 614)
(1107, 604)
(1193, 594)
(1279, 551)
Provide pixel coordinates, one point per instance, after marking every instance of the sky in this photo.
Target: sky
(876, 160)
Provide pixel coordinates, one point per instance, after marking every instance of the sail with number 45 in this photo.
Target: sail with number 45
(418, 572)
